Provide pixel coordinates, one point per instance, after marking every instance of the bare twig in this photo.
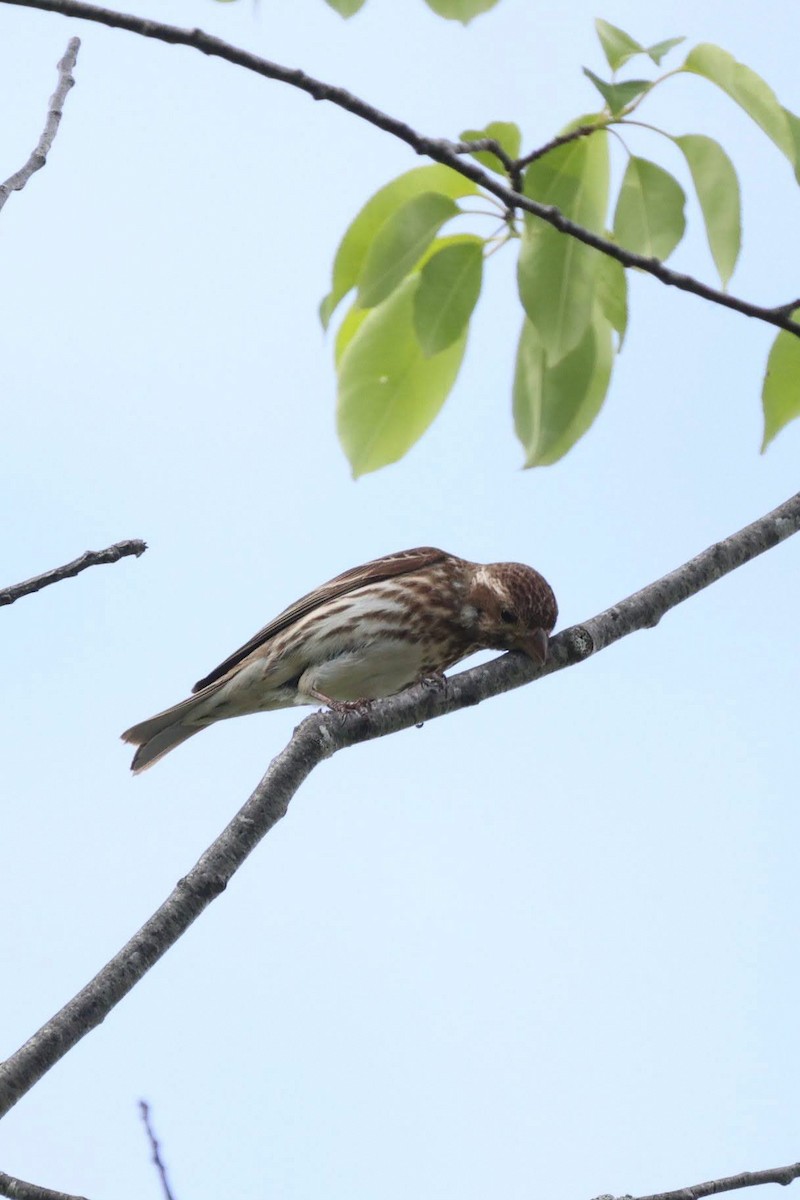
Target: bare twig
(731, 1183)
(562, 140)
(18, 1189)
(320, 736)
(92, 558)
(155, 1149)
(439, 149)
(512, 166)
(486, 145)
(38, 158)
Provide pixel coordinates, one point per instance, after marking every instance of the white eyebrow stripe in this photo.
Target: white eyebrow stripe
(486, 577)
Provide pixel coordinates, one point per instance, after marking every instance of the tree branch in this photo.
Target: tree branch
(782, 1175)
(38, 157)
(563, 139)
(18, 1189)
(92, 558)
(439, 149)
(155, 1151)
(322, 735)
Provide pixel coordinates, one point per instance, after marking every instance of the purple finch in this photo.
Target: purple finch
(369, 632)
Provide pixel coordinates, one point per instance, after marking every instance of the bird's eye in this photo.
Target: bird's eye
(508, 616)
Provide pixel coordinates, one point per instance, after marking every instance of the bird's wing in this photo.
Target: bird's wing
(391, 565)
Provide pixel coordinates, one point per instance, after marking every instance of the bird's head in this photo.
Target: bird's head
(511, 607)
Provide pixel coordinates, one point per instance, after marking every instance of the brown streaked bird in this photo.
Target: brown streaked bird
(370, 632)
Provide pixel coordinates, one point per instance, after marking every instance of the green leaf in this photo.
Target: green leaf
(649, 219)
(557, 279)
(449, 286)
(389, 392)
(400, 243)
(507, 134)
(346, 8)
(793, 123)
(618, 95)
(717, 189)
(618, 46)
(460, 10)
(351, 323)
(504, 132)
(355, 314)
(660, 49)
(780, 395)
(557, 274)
(361, 233)
(573, 177)
(555, 405)
(749, 90)
(612, 294)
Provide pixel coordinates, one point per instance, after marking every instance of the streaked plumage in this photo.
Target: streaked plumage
(369, 632)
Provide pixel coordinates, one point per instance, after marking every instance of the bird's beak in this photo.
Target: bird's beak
(534, 644)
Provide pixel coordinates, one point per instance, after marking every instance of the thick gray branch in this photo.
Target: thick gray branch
(38, 158)
(731, 1183)
(18, 1189)
(321, 735)
(92, 558)
(439, 149)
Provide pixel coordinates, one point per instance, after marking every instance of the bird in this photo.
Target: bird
(370, 632)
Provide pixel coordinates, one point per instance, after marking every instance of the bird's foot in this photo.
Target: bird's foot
(434, 680)
(342, 707)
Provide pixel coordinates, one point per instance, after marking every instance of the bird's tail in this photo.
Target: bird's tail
(156, 736)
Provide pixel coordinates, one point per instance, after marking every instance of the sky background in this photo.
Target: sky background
(543, 947)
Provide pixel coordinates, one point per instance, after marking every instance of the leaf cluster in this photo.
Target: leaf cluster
(400, 344)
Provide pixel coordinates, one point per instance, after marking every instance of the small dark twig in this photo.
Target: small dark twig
(789, 308)
(510, 164)
(92, 558)
(144, 1109)
(563, 139)
(731, 1183)
(38, 157)
(18, 1189)
(514, 167)
(488, 146)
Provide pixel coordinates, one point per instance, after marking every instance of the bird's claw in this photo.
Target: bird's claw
(434, 680)
(343, 707)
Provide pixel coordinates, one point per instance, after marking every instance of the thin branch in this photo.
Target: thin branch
(155, 1150)
(781, 1175)
(17, 181)
(486, 145)
(92, 558)
(562, 140)
(322, 735)
(492, 146)
(439, 149)
(18, 1189)
(513, 166)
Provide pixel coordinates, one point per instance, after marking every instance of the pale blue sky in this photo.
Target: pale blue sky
(545, 947)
